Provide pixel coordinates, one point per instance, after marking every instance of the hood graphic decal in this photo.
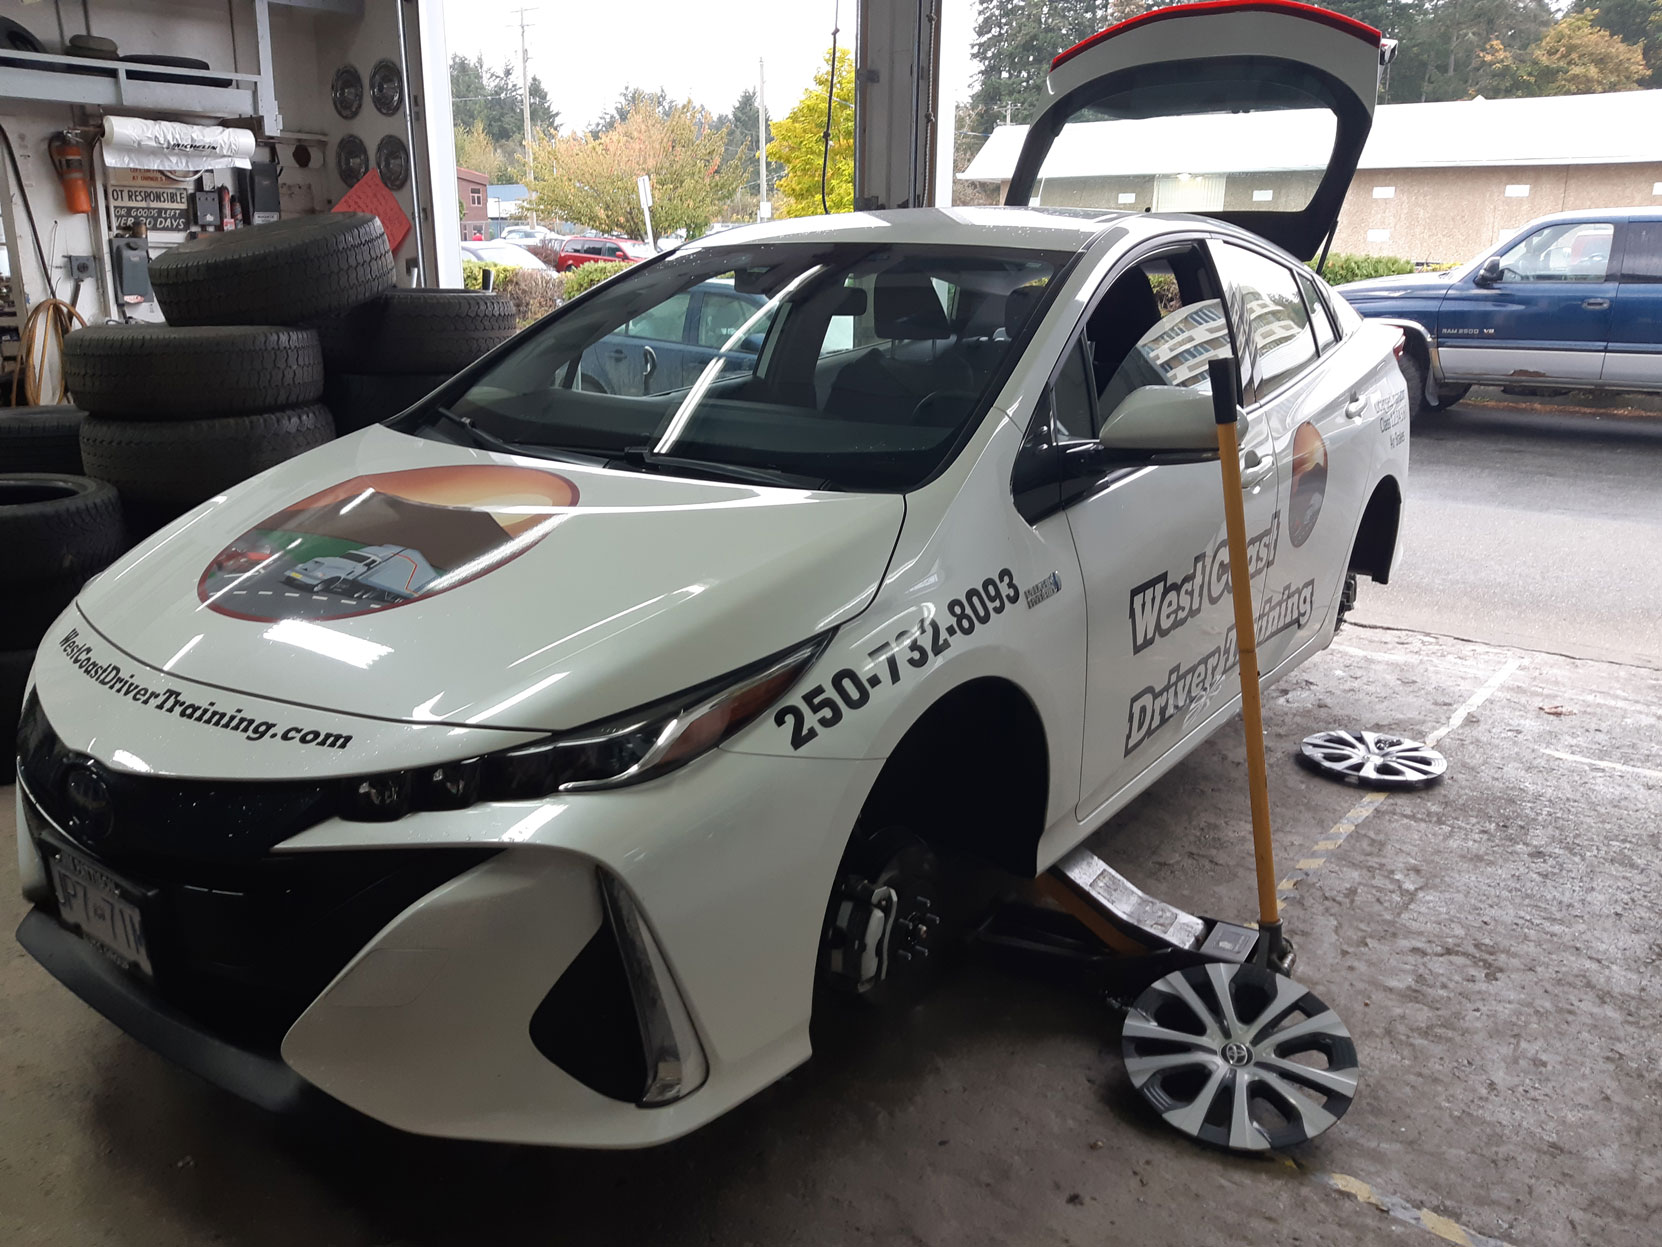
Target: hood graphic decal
(373, 543)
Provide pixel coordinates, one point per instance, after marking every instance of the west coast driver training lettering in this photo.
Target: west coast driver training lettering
(171, 701)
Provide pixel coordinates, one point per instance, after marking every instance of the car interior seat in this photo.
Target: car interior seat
(887, 385)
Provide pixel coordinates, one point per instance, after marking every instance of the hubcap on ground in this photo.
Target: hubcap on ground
(1373, 759)
(1239, 1057)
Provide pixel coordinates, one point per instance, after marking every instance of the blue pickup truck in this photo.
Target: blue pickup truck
(1572, 301)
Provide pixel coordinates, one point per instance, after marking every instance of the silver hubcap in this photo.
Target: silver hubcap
(1373, 759)
(1239, 1057)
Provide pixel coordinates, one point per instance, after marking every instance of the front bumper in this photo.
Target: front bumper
(477, 1004)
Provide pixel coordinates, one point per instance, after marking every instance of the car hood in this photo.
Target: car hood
(1392, 287)
(525, 594)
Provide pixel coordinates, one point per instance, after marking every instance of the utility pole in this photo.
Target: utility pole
(525, 92)
(764, 210)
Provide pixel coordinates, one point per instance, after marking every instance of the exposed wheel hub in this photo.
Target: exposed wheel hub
(880, 926)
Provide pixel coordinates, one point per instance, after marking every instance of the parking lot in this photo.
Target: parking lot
(1490, 942)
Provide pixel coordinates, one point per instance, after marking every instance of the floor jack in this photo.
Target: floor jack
(1217, 1037)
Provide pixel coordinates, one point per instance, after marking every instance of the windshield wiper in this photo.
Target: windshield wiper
(490, 441)
(646, 458)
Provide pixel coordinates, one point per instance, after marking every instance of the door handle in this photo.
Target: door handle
(1595, 305)
(1255, 469)
(649, 361)
(1357, 405)
(619, 354)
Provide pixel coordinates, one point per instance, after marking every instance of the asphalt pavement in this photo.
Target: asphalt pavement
(1532, 528)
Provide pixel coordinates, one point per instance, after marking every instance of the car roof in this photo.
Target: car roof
(1034, 229)
(1592, 214)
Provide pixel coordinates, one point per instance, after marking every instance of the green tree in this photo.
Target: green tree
(1575, 57)
(799, 144)
(740, 125)
(1014, 42)
(490, 98)
(1634, 22)
(476, 151)
(591, 179)
(630, 101)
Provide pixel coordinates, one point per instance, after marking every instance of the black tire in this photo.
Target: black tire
(56, 525)
(417, 331)
(1413, 374)
(359, 401)
(158, 372)
(31, 608)
(14, 677)
(186, 462)
(41, 439)
(285, 273)
(1448, 395)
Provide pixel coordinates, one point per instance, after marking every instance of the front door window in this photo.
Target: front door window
(1574, 251)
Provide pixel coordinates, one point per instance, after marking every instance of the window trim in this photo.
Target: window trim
(1623, 275)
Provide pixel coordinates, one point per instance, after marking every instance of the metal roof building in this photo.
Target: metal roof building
(1436, 182)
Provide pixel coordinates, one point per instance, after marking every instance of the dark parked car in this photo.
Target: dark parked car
(576, 251)
(666, 347)
(1572, 301)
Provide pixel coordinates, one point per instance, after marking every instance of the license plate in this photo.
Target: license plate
(91, 902)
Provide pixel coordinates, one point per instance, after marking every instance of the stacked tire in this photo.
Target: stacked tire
(383, 356)
(41, 439)
(57, 529)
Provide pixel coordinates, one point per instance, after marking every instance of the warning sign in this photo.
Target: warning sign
(156, 207)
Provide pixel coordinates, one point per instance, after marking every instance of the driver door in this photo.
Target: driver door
(1161, 652)
(1547, 318)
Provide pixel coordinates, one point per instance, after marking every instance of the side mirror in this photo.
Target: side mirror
(1489, 274)
(1162, 420)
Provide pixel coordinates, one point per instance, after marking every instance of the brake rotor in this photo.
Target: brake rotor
(1373, 759)
(1239, 1057)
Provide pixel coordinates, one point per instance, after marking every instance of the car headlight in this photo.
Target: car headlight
(628, 749)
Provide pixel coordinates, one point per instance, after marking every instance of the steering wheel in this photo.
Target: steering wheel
(937, 398)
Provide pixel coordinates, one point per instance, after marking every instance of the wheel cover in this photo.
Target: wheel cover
(1239, 1057)
(1372, 759)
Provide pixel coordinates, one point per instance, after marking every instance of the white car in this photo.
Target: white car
(927, 560)
(535, 234)
(499, 251)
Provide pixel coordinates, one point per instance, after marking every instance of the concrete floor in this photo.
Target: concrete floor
(1492, 944)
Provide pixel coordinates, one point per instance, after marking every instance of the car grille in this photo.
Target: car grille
(242, 939)
(150, 817)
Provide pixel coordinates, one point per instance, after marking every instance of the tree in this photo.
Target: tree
(591, 179)
(741, 142)
(1635, 22)
(1015, 41)
(630, 101)
(1575, 57)
(799, 144)
(490, 98)
(476, 151)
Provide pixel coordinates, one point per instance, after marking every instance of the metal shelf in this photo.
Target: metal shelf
(112, 84)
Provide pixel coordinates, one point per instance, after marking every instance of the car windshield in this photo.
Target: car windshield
(638, 250)
(845, 365)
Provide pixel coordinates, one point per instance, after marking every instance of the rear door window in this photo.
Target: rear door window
(1320, 317)
(1269, 316)
(1642, 257)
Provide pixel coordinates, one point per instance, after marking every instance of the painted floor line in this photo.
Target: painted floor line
(1316, 858)
(1613, 766)
(1403, 1210)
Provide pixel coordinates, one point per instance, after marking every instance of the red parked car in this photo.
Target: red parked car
(576, 251)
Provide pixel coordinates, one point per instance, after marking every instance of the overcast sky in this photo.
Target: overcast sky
(702, 49)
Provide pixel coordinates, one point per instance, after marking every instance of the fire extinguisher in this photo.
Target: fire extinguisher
(69, 157)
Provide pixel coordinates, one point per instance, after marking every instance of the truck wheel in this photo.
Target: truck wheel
(184, 462)
(1447, 396)
(158, 372)
(41, 439)
(417, 331)
(285, 273)
(1413, 374)
(55, 525)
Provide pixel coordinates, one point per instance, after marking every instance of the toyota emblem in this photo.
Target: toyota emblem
(91, 813)
(1237, 1053)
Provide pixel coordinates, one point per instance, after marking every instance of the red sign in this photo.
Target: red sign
(371, 195)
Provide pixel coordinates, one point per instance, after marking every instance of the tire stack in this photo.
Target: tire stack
(231, 384)
(382, 356)
(57, 529)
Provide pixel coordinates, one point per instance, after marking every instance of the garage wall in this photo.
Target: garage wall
(1450, 215)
